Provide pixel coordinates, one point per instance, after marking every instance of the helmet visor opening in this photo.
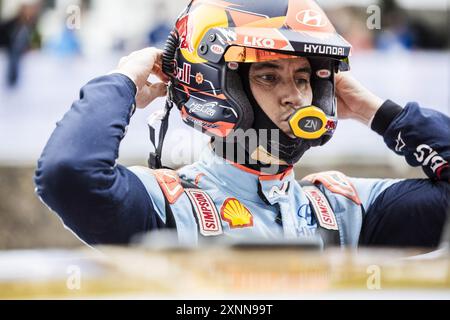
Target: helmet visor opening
(252, 55)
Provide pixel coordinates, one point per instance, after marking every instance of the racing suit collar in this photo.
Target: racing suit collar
(241, 181)
(261, 166)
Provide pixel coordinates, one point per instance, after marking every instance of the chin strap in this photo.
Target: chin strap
(154, 161)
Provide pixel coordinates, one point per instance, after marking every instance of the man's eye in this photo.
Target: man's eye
(302, 81)
(268, 77)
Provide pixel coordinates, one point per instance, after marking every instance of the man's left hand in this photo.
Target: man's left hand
(354, 100)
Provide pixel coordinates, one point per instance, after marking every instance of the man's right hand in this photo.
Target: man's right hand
(138, 66)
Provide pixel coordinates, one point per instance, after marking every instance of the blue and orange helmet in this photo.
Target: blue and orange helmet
(213, 37)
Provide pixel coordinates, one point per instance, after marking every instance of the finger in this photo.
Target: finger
(157, 65)
(122, 61)
(157, 90)
(153, 54)
(342, 109)
(149, 93)
(153, 59)
(157, 71)
(147, 51)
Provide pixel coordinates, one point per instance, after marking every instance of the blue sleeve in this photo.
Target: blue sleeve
(409, 212)
(77, 175)
(421, 135)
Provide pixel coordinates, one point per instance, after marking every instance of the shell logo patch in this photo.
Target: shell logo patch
(236, 214)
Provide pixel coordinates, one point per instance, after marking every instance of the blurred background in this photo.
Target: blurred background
(50, 48)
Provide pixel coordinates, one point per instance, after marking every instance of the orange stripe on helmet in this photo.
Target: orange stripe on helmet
(261, 38)
(187, 89)
(242, 18)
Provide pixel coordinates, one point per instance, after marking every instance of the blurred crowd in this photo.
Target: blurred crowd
(399, 29)
(33, 28)
(54, 27)
(18, 35)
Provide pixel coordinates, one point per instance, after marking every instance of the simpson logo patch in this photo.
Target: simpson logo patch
(324, 213)
(207, 214)
(236, 214)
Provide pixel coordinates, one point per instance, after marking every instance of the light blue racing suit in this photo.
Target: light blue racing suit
(106, 203)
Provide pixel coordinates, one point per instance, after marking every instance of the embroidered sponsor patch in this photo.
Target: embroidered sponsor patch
(324, 212)
(336, 182)
(277, 191)
(236, 214)
(170, 184)
(207, 215)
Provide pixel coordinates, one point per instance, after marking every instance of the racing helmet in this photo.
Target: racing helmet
(212, 38)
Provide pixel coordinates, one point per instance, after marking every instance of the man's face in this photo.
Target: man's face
(281, 87)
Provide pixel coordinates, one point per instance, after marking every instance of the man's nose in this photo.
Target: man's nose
(291, 96)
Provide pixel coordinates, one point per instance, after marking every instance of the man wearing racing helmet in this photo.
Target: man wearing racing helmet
(252, 66)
